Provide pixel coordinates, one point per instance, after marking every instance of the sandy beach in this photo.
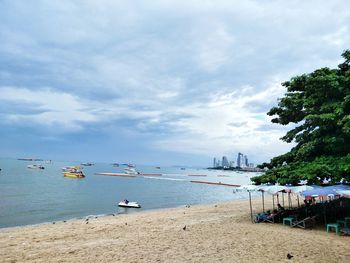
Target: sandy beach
(203, 233)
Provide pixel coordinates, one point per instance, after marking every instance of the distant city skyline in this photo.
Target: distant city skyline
(242, 161)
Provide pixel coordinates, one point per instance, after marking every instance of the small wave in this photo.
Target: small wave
(169, 179)
(96, 216)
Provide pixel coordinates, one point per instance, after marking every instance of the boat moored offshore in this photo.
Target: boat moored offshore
(35, 166)
(73, 172)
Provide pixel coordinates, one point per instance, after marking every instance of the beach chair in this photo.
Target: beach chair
(264, 218)
(306, 223)
(345, 231)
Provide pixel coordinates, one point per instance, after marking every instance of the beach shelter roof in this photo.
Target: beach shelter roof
(325, 191)
(345, 193)
(301, 188)
(274, 189)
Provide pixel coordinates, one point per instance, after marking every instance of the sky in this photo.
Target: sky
(156, 82)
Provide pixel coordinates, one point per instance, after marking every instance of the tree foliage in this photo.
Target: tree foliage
(319, 105)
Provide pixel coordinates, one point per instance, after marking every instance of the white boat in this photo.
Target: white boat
(71, 168)
(131, 170)
(128, 204)
(35, 166)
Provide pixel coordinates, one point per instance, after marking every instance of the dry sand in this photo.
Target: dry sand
(213, 233)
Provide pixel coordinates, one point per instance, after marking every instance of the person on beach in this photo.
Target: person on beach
(280, 208)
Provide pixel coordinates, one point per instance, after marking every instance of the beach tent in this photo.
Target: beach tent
(272, 189)
(275, 190)
(328, 191)
(299, 189)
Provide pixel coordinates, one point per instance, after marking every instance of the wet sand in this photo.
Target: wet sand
(204, 233)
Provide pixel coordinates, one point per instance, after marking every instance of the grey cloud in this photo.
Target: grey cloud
(151, 56)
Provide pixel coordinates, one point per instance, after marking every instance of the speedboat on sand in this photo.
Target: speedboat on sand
(126, 203)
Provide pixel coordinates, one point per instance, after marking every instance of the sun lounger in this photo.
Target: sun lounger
(267, 218)
(308, 222)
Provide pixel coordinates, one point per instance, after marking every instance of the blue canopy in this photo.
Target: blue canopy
(326, 190)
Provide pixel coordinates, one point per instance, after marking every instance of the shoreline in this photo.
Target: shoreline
(198, 233)
(116, 214)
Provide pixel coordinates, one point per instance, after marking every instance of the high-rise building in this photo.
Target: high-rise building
(232, 163)
(224, 162)
(214, 162)
(239, 159)
(246, 164)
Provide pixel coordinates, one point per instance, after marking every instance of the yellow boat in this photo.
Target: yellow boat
(74, 174)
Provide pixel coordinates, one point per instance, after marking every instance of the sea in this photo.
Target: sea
(29, 196)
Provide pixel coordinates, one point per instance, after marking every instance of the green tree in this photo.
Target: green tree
(319, 106)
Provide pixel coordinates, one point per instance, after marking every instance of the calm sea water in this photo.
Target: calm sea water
(37, 196)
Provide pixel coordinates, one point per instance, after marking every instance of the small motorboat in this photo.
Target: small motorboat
(35, 166)
(128, 204)
(72, 172)
(78, 174)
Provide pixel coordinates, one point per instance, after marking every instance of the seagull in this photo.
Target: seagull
(289, 256)
(184, 228)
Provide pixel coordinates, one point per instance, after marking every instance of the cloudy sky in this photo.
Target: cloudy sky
(156, 82)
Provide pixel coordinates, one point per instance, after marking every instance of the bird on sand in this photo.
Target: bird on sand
(289, 256)
(184, 228)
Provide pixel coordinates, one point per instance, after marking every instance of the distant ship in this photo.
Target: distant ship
(87, 164)
(29, 159)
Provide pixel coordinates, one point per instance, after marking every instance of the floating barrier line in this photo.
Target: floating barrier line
(150, 174)
(116, 174)
(197, 175)
(216, 183)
